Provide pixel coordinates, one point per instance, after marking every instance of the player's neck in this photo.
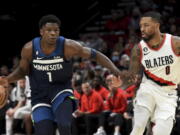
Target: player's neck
(47, 48)
(44, 44)
(156, 41)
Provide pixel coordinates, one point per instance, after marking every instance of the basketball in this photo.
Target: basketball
(3, 96)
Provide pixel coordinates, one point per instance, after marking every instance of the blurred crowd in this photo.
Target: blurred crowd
(102, 109)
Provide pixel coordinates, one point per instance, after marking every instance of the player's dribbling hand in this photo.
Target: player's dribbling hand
(116, 82)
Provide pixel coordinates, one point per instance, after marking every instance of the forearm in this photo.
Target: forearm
(106, 62)
(17, 74)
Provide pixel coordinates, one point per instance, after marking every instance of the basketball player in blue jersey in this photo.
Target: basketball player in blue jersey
(158, 56)
(47, 62)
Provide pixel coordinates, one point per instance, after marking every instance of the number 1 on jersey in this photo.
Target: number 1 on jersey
(49, 76)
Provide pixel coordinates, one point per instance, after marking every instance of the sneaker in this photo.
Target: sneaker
(100, 131)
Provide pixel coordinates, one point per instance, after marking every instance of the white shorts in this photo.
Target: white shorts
(20, 112)
(160, 102)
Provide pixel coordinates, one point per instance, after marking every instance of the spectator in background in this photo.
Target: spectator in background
(98, 70)
(146, 5)
(76, 85)
(15, 62)
(93, 40)
(4, 70)
(128, 118)
(28, 123)
(124, 62)
(24, 112)
(16, 95)
(135, 17)
(119, 46)
(132, 40)
(91, 106)
(119, 21)
(98, 87)
(115, 56)
(116, 105)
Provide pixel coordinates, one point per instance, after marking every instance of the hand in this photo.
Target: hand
(110, 95)
(113, 82)
(113, 114)
(10, 112)
(77, 113)
(116, 82)
(128, 78)
(127, 116)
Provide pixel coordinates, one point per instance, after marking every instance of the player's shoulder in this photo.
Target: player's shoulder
(72, 45)
(27, 50)
(176, 39)
(28, 45)
(176, 44)
(70, 42)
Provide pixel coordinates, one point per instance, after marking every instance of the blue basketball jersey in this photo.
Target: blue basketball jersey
(50, 74)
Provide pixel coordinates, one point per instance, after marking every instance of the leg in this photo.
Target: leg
(44, 127)
(102, 123)
(9, 123)
(128, 126)
(118, 122)
(90, 120)
(77, 125)
(63, 115)
(28, 124)
(43, 121)
(163, 127)
(141, 117)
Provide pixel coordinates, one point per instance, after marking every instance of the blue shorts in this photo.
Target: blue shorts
(46, 111)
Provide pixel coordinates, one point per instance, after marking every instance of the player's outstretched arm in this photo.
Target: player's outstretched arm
(135, 67)
(73, 48)
(23, 67)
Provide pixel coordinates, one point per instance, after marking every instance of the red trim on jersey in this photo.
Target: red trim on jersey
(162, 43)
(155, 78)
(173, 47)
(139, 45)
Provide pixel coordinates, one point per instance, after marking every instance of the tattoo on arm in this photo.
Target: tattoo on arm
(135, 65)
(176, 44)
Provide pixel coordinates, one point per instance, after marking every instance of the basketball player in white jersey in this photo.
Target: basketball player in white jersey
(158, 56)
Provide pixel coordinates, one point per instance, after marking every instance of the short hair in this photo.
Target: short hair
(49, 19)
(154, 15)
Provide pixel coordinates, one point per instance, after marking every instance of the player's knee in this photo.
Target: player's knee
(139, 125)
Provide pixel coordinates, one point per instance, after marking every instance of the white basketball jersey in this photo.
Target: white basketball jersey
(161, 65)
